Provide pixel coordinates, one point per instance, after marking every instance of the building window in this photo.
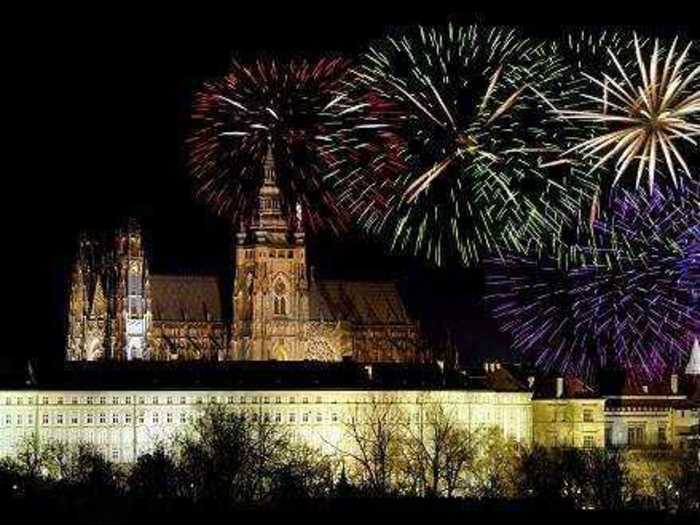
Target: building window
(305, 417)
(103, 400)
(115, 419)
(319, 417)
(280, 298)
(230, 400)
(587, 415)
(88, 419)
(30, 419)
(115, 400)
(154, 418)
(74, 400)
(266, 400)
(141, 419)
(74, 420)
(278, 417)
(292, 418)
(8, 419)
(588, 442)
(19, 419)
(127, 400)
(183, 400)
(59, 419)
(141, 400)
(115, 455)
(635, 436)
(663, 440)
(169, 418)
(127, 418)
(183, 418)
(59, 400)
(334, 417)
(103, 419)
(155, 400)
(45, 400)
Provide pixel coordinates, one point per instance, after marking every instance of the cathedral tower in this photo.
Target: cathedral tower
(271, 286)
(132, 308)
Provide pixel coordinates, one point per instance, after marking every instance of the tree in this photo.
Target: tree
(374, 431)
(496, 466)
(155, 476)
(438, 453)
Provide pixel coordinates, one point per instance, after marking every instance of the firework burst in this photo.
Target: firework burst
(299, 109)
(622, 297)
(476, 153)
(644, 112)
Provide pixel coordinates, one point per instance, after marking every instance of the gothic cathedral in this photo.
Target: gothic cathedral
(119, 311)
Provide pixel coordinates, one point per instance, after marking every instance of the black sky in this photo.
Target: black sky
(104, 109)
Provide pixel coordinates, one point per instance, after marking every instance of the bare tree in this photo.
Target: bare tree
(374, 431)
(438, 452)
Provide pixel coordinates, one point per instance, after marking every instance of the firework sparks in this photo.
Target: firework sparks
(476, 147)
(622, 298)
(649, 107)
(300, 110)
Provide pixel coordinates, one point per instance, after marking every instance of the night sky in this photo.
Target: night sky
(109, 97)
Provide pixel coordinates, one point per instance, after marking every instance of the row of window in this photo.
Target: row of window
(559, 415)
(274, 254)
(155, 400)
(636, 435)
(155, 418)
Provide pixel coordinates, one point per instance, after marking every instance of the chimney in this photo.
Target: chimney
(645, 389)
(530, 382)
(674, 384)
(486, 366)
(441, 365)
(368, 369)
(560, 387)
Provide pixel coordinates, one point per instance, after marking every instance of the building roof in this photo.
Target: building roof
(359, 302)
(574, 388)
(186, 298)
(272, 375)
(500, 378)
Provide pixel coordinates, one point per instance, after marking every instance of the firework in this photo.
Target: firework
(622, 297)
(298, 108)
(643, 112)
(476, 153)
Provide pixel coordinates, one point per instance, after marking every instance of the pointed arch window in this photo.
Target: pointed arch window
(279, 298)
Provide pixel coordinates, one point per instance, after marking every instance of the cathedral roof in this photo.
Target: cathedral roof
(191, 298)
(360, 302)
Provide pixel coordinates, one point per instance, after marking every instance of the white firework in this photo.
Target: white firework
(652, 104)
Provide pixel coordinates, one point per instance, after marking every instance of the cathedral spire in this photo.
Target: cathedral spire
(270, 225)
(693, 367)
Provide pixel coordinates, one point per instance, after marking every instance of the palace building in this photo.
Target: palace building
(118, 310)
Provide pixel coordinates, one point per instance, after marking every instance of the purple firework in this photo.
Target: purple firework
(622, 297)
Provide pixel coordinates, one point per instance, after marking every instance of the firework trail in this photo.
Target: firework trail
(300, 110)
(475, 159)
(622, 297)
(643, 111)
